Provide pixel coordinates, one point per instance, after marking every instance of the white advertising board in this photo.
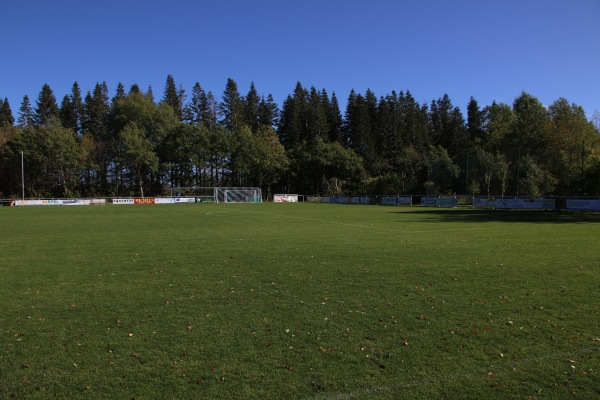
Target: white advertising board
(76, 202)
(285, 198)
(122, 201)
(160, 200)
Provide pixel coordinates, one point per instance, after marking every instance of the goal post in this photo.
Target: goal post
(219, 194)
(238, 195)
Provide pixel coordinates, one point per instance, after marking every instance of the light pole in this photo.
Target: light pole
(22, 176)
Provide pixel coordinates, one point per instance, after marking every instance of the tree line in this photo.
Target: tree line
(133, 145)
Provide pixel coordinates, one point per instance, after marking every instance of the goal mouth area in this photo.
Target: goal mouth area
(238, 195)
(220, 194)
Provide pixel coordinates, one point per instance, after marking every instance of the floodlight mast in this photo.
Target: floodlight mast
(22, 176)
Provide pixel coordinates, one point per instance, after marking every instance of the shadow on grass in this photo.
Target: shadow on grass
(487, 215)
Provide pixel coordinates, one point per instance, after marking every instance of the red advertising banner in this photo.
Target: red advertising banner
(145, 200)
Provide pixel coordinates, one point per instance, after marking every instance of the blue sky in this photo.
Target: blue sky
(488, 50)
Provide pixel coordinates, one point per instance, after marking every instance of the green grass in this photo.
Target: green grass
(298, 301)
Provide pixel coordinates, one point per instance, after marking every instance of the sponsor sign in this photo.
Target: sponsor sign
(429, 201)
(544, 204)
(38, 202)
(396, 200)
(144, 200)
(360, 200)
(285, 198)
(122, 201)
(583, 205)
(160, 200)
(205, 199)
(76, 202)
(184, 200)
(439, 201)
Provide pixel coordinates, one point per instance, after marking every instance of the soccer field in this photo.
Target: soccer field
(298, 301)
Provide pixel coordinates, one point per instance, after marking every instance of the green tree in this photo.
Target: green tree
(252, 108)
(359, 126)
(268, 112)
(26, 115)
(498, 122)
(533, 179)
(334, 118)
(174, 97)
(47, 108)
(270, 162)
(231, 107)
(491, 167)
(293, 122)
(52, 158)
(95, 124)
(441, 171)
(6, 116)
(324, 167)
(137, 154)
(119, 94)
(571, 137)
(475, 124)
(530, 128)
(156, 121)
(447, 126)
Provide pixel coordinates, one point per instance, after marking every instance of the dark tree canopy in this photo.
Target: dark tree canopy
(388, 144)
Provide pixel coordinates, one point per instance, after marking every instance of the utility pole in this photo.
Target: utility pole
(22, 176)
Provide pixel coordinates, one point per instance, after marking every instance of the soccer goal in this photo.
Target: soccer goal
(238, 195)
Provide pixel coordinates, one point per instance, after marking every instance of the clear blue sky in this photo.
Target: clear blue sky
(491, 50)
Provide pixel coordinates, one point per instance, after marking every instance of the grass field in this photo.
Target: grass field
(298, 301)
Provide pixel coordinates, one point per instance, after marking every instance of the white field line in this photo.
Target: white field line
(360, 393)
(326, 221)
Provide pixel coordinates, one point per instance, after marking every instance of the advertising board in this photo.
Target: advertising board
(583, 204)
(285, 198)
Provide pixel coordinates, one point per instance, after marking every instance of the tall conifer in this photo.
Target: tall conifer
(47, 107)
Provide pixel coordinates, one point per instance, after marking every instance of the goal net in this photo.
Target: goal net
(238, 195)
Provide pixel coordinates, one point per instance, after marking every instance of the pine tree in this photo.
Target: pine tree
(120, 93)
(251, 108)
(149, 94)
(268, 114)
(174, 97)
(66, 114)
(232, 107)
(6, 117)
(195, 106)
(447, 127)
(293, 121)
(210, 110)
(26, 116)
(135, 88)
(47, 108)
(317, 124)
(474, 123)
(335, 120)
(96, 112)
